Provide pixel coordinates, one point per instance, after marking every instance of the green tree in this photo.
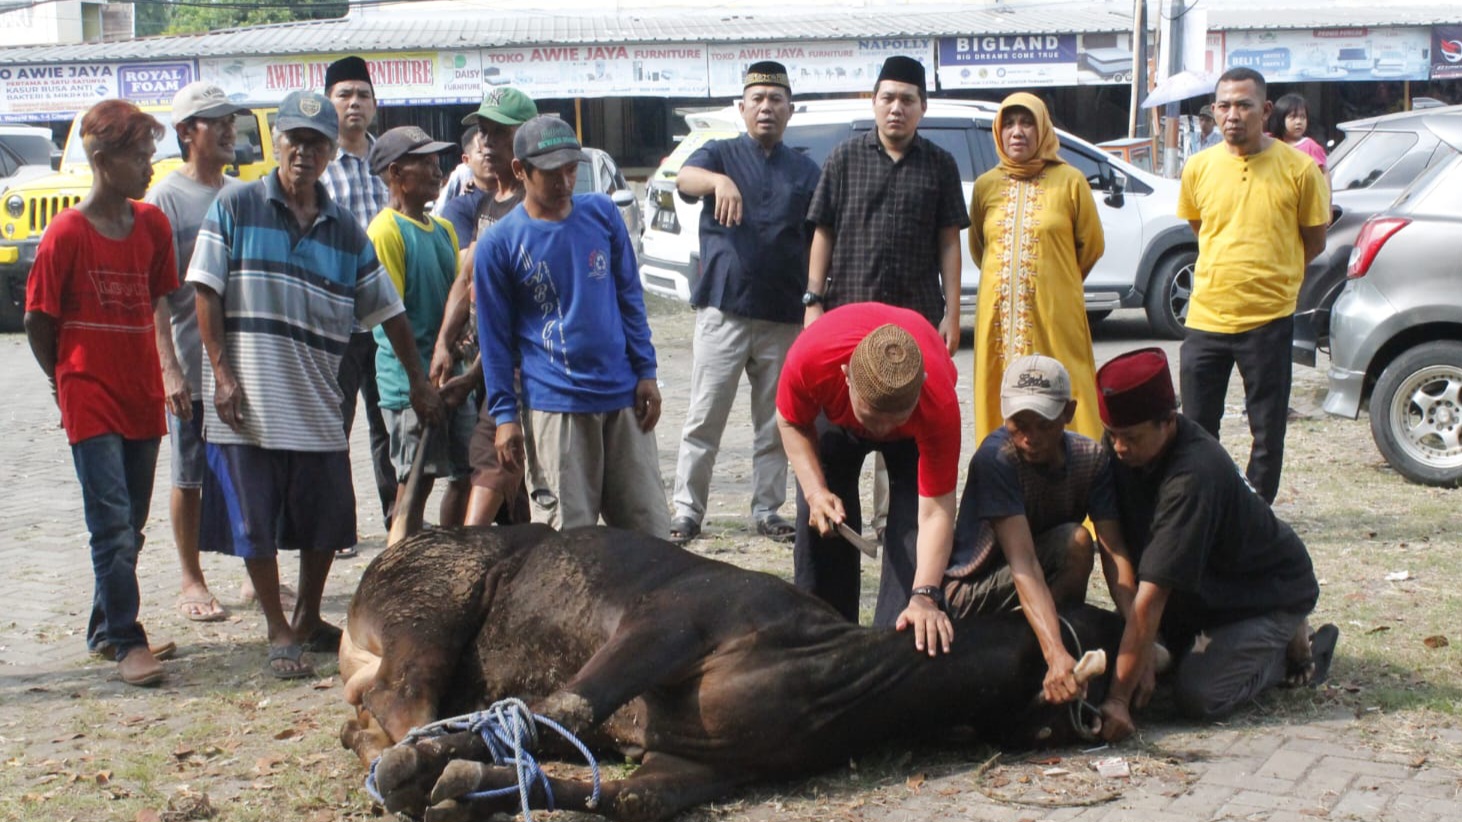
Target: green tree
(201, 16)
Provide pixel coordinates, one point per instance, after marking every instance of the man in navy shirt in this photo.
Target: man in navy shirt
(754, 239)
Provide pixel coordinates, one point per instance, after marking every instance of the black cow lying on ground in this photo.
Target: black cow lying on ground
(712, 675)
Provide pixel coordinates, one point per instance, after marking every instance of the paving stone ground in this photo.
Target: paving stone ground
(1329, 767)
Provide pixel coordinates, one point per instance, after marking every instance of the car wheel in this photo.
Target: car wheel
(1094, 317)
(1168, 293)
(12, 313)
(1416, 413)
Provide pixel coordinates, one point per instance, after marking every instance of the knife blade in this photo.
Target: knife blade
(857, 540)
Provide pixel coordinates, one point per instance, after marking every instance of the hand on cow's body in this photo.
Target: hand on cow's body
(825, 511)
(1117, 722)
(509, 444)
(1061, 686)
(647, 404)
(929, 623)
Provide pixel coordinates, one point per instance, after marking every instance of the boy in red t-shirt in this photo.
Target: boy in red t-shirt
(99, 273)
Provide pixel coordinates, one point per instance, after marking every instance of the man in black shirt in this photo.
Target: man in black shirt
(1221, 580)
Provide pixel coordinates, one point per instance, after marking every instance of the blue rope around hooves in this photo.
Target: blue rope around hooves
(510, 732)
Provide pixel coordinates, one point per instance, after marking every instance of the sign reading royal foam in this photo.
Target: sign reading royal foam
(1007, 60)
(60, 90)
(399, 78)
(821, 67)
(647, 70)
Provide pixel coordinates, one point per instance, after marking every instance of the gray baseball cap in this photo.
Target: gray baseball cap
(1035, 383)
(400, 141)
(307, 109)
(201, 98)
(547, 143)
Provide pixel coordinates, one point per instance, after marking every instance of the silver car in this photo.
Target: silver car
(1396, 329)
(598, 172)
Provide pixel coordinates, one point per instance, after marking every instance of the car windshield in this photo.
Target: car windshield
(247, 135)
(1363, 158)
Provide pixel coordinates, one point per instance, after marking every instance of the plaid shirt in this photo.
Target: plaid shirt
(351, 184)
(886, 217)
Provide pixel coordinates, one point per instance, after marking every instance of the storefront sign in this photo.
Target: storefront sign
(399, 78)
(1446, 52)
(642, 70)
(60, 90)
(1332, 54)
(1003, 60)
(821, 67)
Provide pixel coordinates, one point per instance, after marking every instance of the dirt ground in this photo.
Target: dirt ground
(220, 740)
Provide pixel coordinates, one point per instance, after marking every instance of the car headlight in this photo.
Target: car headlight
(15, 205)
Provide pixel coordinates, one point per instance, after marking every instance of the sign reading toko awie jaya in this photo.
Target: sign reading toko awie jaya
(815, 67)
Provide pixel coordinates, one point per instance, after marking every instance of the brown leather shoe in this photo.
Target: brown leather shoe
(162, 650)
(140, 667)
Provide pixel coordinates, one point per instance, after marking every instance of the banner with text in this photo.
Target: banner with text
(1332, 54)
(60, 90)
(668, 70)
(1446, 52)
(400, 78)
(1004, 60)
(822, 67)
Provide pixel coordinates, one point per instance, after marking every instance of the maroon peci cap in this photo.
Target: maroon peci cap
(1135, 387)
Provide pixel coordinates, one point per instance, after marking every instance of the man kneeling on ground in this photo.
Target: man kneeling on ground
(1030, 485)
(1221, 580)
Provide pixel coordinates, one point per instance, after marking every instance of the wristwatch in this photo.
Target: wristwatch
(811, 298)
(933, 592)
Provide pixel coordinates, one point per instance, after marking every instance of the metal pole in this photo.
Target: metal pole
(1135, 125)
(1173, 46)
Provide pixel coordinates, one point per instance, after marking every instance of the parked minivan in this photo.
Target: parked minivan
(1150, 252)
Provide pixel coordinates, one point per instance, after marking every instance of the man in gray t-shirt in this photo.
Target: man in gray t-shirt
(203, 117)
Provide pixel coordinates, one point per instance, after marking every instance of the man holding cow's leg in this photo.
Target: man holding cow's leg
(1222, 581)
(872, 377)
(1019, 539)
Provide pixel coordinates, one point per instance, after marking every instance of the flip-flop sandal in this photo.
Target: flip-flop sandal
(201, 609)
(683, 530)
(1322, 652)
(288, 653)
(776, 529)
(323, 640)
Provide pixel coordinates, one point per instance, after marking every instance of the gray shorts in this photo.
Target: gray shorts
(994, 591)
(446, 454)
(186, 437)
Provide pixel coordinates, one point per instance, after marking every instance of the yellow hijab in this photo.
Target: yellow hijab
(1047, 144)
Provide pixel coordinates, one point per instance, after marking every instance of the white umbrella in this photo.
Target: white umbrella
(1180, 86)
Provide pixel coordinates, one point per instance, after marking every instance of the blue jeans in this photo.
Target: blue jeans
(116, 488)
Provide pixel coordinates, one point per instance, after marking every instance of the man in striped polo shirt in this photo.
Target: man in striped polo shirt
(281, 274)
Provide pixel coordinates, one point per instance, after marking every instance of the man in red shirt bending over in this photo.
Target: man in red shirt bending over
(872, 377)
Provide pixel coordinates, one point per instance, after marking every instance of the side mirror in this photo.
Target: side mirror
(623, 198)
(1115, 197)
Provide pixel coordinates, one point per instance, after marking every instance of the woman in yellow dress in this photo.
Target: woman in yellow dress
(1035, 231)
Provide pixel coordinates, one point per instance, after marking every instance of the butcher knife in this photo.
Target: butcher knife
(403, 524)
(857, 540)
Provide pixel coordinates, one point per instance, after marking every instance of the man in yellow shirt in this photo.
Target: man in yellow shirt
(1260, 209)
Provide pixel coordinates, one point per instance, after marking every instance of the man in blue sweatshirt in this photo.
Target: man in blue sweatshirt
(558, 293)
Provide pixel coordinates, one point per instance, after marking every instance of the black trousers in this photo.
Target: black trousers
(828, 567)
(358, 376)
(1263, 357)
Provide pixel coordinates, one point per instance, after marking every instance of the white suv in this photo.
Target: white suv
(1150, 252)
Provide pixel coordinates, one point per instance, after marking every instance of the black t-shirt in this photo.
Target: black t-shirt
(1195, 526)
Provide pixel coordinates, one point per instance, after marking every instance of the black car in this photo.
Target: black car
(1379, 157)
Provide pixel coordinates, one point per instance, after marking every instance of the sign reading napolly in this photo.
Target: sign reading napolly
(1446, 52)
(60, 90)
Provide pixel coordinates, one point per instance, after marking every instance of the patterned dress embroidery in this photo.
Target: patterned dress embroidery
(1019, 256)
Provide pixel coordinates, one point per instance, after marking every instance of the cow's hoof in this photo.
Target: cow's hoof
(569, 710)
(459, 777)
(450, 811)
(399, 779)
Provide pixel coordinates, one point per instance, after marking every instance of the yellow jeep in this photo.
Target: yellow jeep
(27, 208)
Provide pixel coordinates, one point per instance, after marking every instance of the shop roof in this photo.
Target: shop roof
(1316, 16)
(443, 26)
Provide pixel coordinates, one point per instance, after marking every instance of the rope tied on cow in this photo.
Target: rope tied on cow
(510, 732)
